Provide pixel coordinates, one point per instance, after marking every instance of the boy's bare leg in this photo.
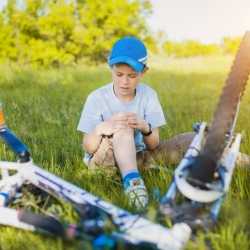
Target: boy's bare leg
(124, 150)
(125, 155)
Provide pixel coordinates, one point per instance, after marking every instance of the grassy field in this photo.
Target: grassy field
(43, 107)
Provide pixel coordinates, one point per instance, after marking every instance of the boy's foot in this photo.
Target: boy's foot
(136, 193)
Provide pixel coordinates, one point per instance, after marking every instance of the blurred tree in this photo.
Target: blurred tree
(190, 48)
(101, 23)
(231, 44)
(54, 32)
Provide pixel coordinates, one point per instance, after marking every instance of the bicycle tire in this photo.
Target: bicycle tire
(205, 165)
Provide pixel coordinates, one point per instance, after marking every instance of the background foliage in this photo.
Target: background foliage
(69, 32)
(191, 48)
(56, 32)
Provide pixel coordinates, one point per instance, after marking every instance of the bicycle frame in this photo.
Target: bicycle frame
(213, 194)
(204, 175)
(132, 228)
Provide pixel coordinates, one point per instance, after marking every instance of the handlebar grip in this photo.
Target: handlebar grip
(17, 146)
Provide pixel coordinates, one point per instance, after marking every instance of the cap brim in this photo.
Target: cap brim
(137, 66)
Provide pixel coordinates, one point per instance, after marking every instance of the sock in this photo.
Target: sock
(129, 176)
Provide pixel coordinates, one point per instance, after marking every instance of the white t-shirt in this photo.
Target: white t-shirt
(102, 103)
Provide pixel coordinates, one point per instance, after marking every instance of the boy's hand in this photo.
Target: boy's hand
(137, 123)
(114, 124)
(121, 117)
(122, 120)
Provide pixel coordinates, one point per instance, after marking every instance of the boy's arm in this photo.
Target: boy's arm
(92, 140)
(152, 140)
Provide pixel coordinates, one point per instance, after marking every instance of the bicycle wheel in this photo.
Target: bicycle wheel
(206, 164)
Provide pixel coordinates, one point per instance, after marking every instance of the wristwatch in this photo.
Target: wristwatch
(149, 132)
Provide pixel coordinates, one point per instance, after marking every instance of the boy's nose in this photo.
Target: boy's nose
(125, 79)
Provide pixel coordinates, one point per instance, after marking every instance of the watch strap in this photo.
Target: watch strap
(149, 132)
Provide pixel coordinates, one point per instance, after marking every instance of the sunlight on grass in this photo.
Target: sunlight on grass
(43, 108)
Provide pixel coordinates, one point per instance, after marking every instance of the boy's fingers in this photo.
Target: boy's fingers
(120, 118)
(121, 125)
(131, 115)
(132, 124)
(133, 121)
(121, 115)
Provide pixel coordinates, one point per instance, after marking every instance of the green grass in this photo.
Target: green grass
(43, 108)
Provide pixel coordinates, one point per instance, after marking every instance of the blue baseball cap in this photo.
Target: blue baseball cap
(131, 51)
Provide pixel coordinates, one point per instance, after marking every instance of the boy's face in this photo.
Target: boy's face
(125, 81)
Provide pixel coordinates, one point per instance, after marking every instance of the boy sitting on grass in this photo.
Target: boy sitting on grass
(121, 119)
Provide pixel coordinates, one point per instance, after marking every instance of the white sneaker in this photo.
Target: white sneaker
(137, 193)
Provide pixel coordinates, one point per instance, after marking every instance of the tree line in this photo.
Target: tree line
(66, 32)
(190, 48)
